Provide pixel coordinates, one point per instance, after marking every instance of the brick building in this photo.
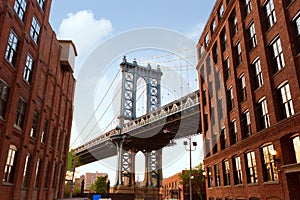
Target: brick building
(90, 178)
(249, 72)
(171, 188)
(36, 102)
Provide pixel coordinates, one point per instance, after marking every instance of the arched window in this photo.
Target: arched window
(10, 166)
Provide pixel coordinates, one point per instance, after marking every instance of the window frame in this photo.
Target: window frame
(217, 175)
(270, 172)
(20, 8)
(10, 164)
(286, 99)
(28, 69)
(4, 95)
(237, 168)
(12, 48)
(278, 60)
(20, 113)
(252, 36)
(35, 30)
(251, 167)
(226, 172)
(270, 14)
(242, 87)
(259, 81)
(26, 171)
(238, 53)
(264, 118)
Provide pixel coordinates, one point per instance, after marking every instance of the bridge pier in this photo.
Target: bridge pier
(153, 169)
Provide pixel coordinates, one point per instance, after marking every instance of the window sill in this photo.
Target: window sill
(7, 184)
(271, 183)
(253, 184)
(19, 129)
(239, 185)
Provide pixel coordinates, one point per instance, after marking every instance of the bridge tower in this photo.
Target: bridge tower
(131, 72)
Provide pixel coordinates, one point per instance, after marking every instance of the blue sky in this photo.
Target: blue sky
(92, 23)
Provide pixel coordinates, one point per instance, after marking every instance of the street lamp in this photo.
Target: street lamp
(190, 146)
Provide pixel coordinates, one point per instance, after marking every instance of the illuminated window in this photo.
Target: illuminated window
(226, 172)
(217, 175)
(296, 142)
(26, 172)
(251, 167)
(10, 165)
(237, 168)
(269, 168)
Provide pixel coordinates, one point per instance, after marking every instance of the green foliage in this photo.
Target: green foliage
(100, 185)
(197, 180)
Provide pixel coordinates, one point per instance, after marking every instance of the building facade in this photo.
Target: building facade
(249, 83)
(36, 102)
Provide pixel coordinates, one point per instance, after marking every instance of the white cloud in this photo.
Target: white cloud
(196, 32)
(85, 31)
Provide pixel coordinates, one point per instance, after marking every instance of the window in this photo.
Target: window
(214, 143)
(207, 146)
(10, 165)
(215, 53)
(226, 172)
(205, 122)
(248, 7)
(220, 108)
(246, 124)
(218, 80)
(41, 3)
(20, 8)
(217, 175)
(55, 177)
(35, 30)
(52, 143)
(34, 126)
(11, 49)
(269, 168)
(212, 116)
(208, 65)
(204, 101)
(210, 89)
(213, 26)
(242, 87)
(238, 54)
(200, 51)
(4, 91)
(258, 74)
(206, 39)
(233, 24)
(230, 101)
(277, 55)
(209, 177)
(28, 70)
(233, 132)
(263, 115)
(47, 175)
(286, 100)
(221, 12)
(237, 168)
(296, 26)
(26, 173)
(251, 167)
(21, 109)
(252, 36)
(38, 170)
(270, 13)
(45, 132)
(223, 39)
(223, 138)
(296, 143)
(226, 69)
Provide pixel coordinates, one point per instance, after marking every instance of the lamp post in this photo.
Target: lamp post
(190, 146)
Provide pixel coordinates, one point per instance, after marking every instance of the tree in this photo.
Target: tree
(198, 180)
(100, 185)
